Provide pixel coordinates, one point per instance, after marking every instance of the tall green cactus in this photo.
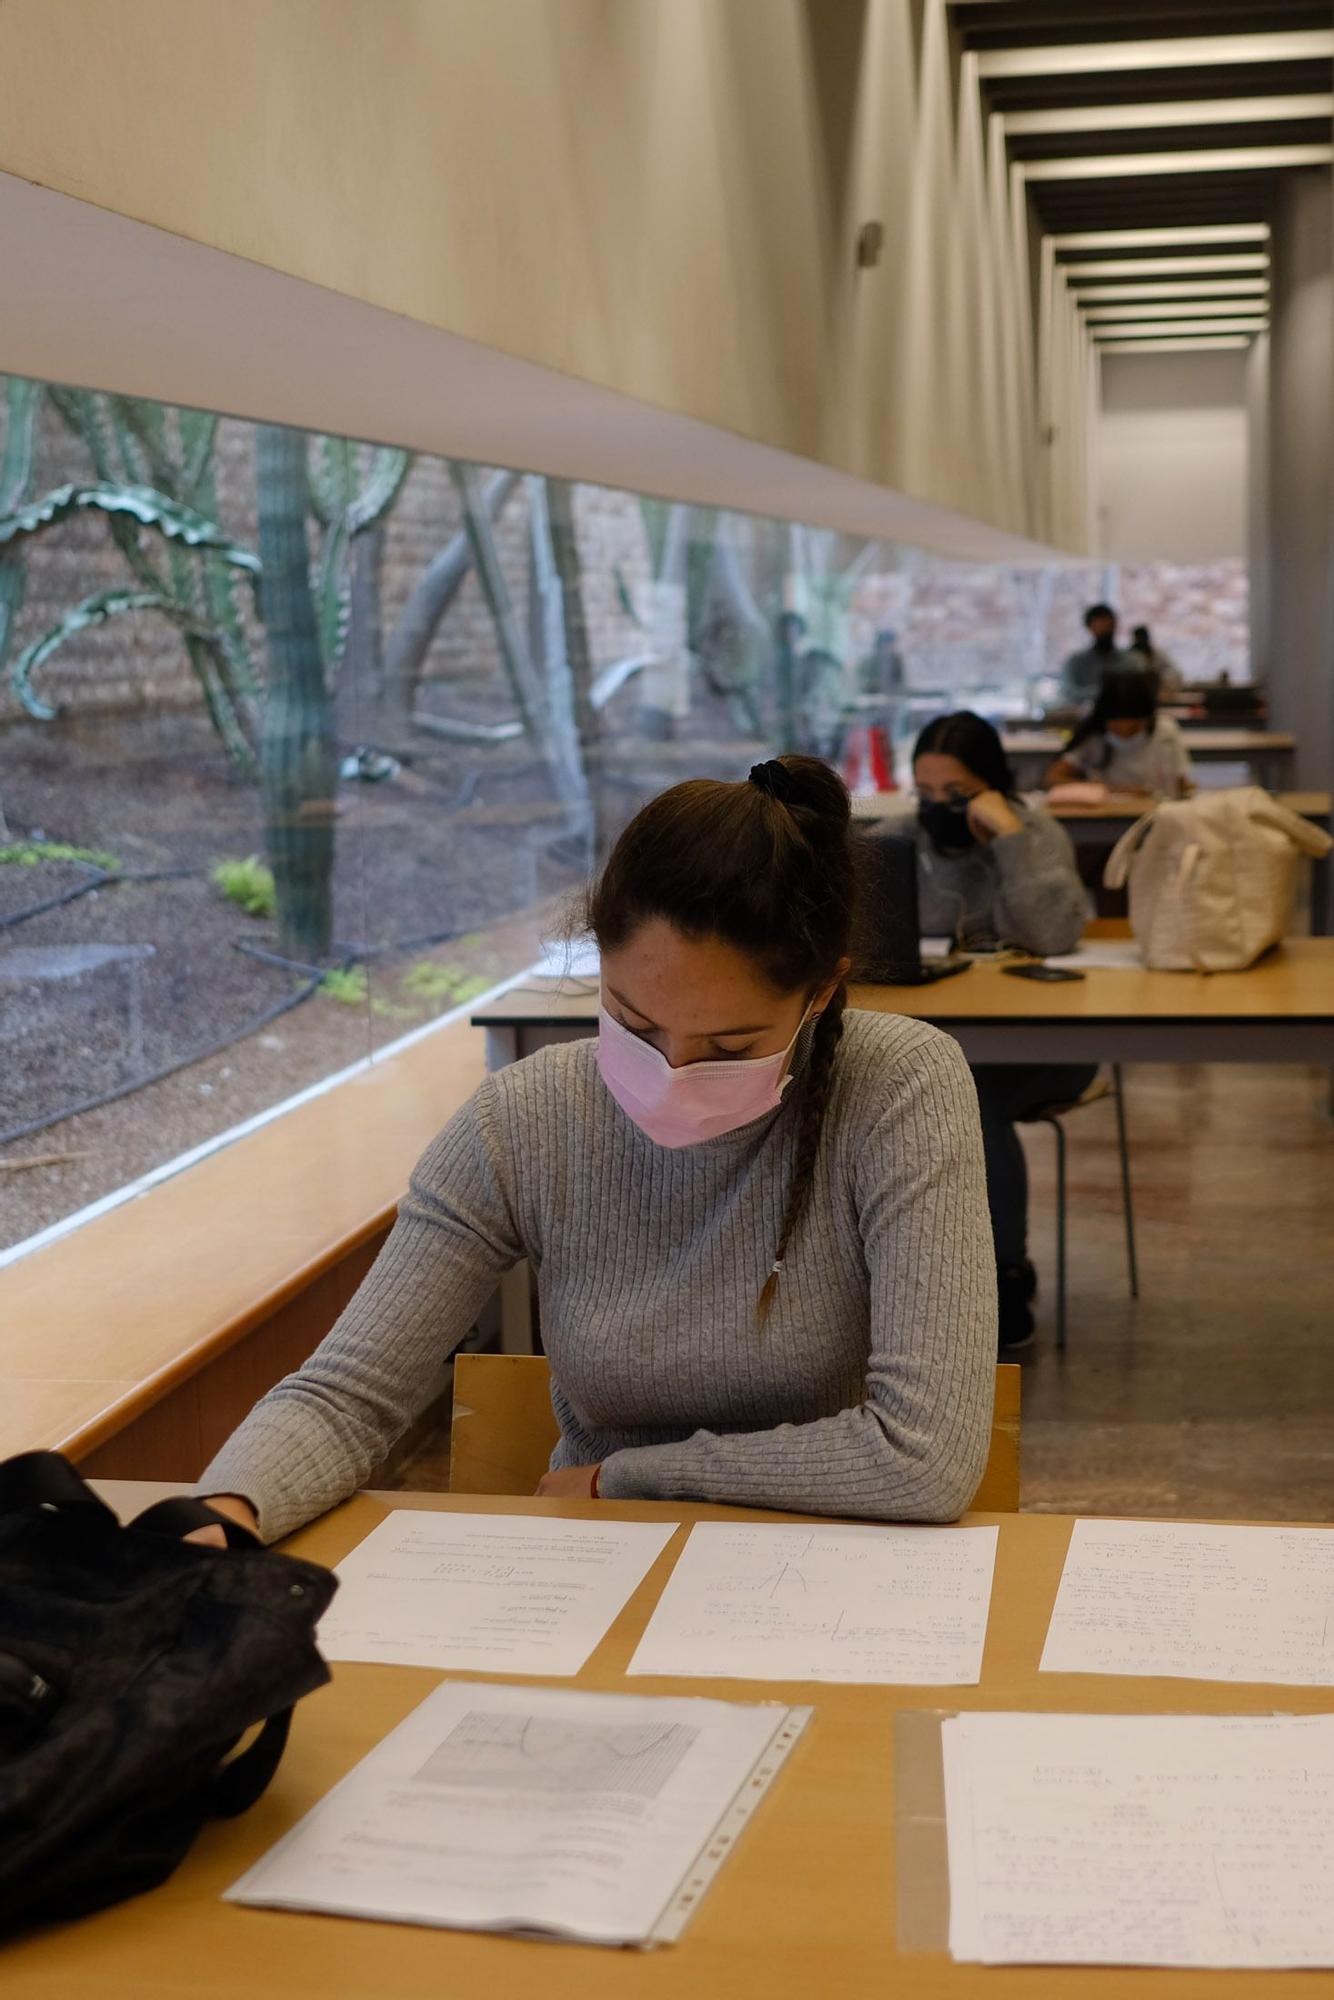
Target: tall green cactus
(298, 759)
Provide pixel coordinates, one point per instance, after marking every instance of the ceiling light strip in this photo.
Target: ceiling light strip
(1195, 345)
(1157, 267)
(1253, 324)
(1209, 160)
(1179, 288)
(1189, 309)
(1171, 52)
(1186, 111)
(1144, 239)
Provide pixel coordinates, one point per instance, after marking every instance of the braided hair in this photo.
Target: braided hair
(767, 867)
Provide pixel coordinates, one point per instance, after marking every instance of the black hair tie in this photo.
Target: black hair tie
(776, 782)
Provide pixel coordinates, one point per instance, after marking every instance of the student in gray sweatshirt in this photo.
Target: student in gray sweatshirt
(993, 870)
(758, 1221)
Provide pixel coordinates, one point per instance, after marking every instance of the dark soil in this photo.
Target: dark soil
(465, 846)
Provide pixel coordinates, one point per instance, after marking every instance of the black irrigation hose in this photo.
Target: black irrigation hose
(283, 1006)
(314, 979)
(102, 879)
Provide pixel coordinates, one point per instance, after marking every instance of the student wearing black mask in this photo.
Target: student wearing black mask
(992, 869)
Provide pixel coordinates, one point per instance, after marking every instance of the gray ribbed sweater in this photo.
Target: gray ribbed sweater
(869, 1390)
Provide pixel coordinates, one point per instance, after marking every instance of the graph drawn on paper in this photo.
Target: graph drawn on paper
(539, 1754)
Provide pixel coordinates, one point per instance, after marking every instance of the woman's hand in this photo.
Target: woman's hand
(570, 1482)
(991, 816)
(235, 1508)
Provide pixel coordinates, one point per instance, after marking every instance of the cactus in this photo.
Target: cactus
(298, 759)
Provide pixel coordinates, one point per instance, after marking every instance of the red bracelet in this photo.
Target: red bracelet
(593, 1489)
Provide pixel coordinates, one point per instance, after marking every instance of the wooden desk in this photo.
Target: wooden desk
(1268, 752)
(804, 1907)
(1281, 1010)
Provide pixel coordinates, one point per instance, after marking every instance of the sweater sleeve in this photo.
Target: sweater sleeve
(1040, 902)
(915, 1446)
(320, 1433)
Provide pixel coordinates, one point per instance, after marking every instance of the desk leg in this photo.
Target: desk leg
(516, 1311)
(502, 1047)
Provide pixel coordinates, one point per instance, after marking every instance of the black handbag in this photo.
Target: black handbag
(131, 1664)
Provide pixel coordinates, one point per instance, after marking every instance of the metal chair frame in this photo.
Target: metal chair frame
(1052, 1115)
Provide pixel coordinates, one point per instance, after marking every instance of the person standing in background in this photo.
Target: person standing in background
(1162, 666)
(1083, 672)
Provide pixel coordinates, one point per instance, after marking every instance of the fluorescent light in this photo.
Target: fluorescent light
(1210, 160)
(1189, 111)
(1143, 239)
(1194, 345)
(1174, 52)
(1254, 324)
(1156, 267)
(1179, 288)
(1192, 309)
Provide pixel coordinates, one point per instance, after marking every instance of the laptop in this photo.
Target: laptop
(888, 949)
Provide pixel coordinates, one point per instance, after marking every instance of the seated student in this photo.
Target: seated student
(1168, 675)
(1126, 744)
(757, 1222)
(992, 869)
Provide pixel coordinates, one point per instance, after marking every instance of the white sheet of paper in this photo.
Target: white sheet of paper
(487, 1593)
(1195, 1602)
(519, 1808)
(794, 1603)
(1140, 1840)
(1117, 954)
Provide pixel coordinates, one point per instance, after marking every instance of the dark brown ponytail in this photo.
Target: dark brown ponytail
(767, 867)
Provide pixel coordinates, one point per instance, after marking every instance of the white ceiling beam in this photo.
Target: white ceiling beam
(1189, 309)
(1255, 323)
(1174, 52)
(1144, 117)
(1180, 288)
(1158, 267)
(1193, 344)
(1144, 239)
(1209, 160)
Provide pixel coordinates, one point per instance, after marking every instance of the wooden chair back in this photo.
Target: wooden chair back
(504, 1430)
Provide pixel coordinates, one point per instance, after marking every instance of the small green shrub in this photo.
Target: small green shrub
(28, 853)
(249, 884)
(431, 983)
(349, 986)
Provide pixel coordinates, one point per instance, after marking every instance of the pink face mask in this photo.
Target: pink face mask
(703, 1100)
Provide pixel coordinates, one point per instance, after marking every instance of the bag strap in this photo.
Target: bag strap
(1118, 861)
(1312, 840)
(181, 1515)
(238, 1784)
(45, 1479)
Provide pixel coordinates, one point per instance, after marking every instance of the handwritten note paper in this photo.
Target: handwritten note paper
(537, 1809)
(1140, 1840)
(490, 1593)
(791, 1603)
(1202, 1603)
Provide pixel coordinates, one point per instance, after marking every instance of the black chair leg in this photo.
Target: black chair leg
(1059, 1130)
(1127, 1203)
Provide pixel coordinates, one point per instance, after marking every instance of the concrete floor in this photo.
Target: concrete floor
(1213, 1395)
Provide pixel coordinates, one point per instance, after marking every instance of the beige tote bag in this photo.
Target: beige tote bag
(1212, 878)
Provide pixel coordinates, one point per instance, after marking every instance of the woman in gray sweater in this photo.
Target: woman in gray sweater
(758, 1223)
(993, 870)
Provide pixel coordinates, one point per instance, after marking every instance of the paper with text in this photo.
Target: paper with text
(1140, 1840)
(487, 1593)
(1196, 1602)
(792, 1603)
(535, 1809)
